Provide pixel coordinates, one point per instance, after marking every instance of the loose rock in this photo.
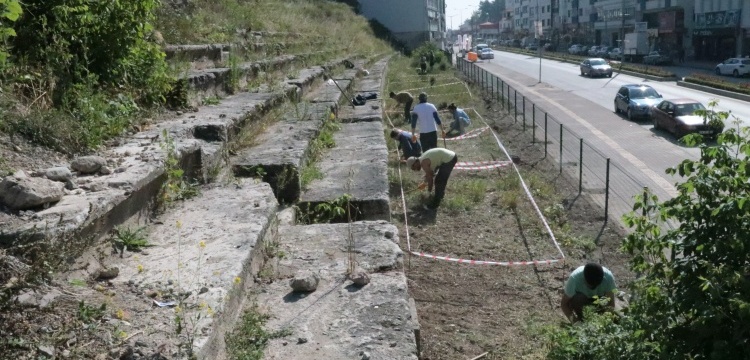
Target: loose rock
(23, 193)
(359, 277)
(106, 274)
(59, 173)
(47, 350)
(305, 281)
(88, 164)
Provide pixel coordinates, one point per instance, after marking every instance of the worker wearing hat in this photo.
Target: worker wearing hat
(437, 164)
(425, 116)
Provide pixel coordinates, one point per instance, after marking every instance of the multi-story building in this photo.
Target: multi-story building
(703, 29)
(720, 29)
(411, 21)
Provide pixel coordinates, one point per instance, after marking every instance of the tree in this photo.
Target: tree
(692, 299)
(10, 10)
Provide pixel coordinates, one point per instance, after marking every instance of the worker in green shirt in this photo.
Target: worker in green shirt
(437, 164)
(405, 98)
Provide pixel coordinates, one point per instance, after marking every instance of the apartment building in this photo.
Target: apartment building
(411, 21)
(703, 29)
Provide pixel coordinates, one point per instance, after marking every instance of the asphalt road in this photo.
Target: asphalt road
(602, 91)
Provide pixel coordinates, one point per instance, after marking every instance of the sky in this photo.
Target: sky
(459, 10)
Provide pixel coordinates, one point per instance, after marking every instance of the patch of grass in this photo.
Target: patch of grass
(249, 339)
(176, 187)
(454, 204)
(475, 190)
(212, 100)
(309, 173)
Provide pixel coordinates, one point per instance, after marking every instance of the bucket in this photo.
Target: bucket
(472, 56)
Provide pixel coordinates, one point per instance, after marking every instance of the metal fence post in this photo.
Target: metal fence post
(533, 123)
(523, 111)
(492, 87)
(580, 167)
(508, 92)
(497, 85)
(515, 106)
(502, 94)
(545, 135)
(561, 146)
(606, 195)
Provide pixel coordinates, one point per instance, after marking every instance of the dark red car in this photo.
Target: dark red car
(679, 117)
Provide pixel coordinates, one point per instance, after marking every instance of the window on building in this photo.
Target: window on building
(548, 8)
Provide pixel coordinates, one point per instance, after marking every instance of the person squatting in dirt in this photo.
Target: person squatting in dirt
(460, 120)
(407, 147)
(437, 165)
(426, 115)
(405, 98)
(584, 285)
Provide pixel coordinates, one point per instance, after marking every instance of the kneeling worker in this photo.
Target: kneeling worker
(437, 160)
(408, 148)
(583, 285)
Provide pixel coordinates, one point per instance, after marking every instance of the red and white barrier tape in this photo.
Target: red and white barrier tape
(471, 134)
(484, 167)
(433, 86)
(525, 188)
(477, 163)
(483, 262)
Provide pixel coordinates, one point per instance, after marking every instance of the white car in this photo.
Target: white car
(734, 66)
(486, 53)
(616, 53)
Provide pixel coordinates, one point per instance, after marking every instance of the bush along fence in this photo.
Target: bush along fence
(607, 183)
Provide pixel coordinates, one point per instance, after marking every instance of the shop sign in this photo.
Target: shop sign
(718, 19)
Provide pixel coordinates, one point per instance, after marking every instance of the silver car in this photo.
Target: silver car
(636, 100)
(595, 67)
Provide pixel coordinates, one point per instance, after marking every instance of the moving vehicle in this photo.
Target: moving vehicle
(657, 58)
(679, 118)
(636, 100)
(636, 46)
(595, 67)
(734, 66)
(486, 53)
(479, 47)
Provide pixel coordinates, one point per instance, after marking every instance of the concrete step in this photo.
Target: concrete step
(199, 138)
(281, 151)
(209, 247)
(356, 166)
(283, 148)
(372, 83)
(341, 320)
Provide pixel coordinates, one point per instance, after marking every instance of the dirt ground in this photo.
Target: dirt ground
(466, 310)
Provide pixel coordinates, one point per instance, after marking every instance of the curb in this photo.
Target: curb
(708, 89)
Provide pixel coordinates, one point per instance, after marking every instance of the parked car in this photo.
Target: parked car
(486, 53)
(735, 66)
(574, 49)
(657, 58)
(595, 67)
(592, 51)
(615, 54)
(636, 100)
(532, 47)
(603, 51)
(479, 47)
(679, 118)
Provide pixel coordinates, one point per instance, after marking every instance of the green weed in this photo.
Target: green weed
(176, 187)
(88, 314)
(212, 100)
(309, 173)
(129, 239)
(249, 339)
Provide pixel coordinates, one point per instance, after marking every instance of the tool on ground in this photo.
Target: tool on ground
(342, 91)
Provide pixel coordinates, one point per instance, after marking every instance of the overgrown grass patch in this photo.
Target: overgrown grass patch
(249, 339)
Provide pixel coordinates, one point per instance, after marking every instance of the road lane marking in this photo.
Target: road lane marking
(632, 159)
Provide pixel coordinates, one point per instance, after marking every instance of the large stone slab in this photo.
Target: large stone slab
(282, 150)
(203, 250)
(341, 320)
(356, 166)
